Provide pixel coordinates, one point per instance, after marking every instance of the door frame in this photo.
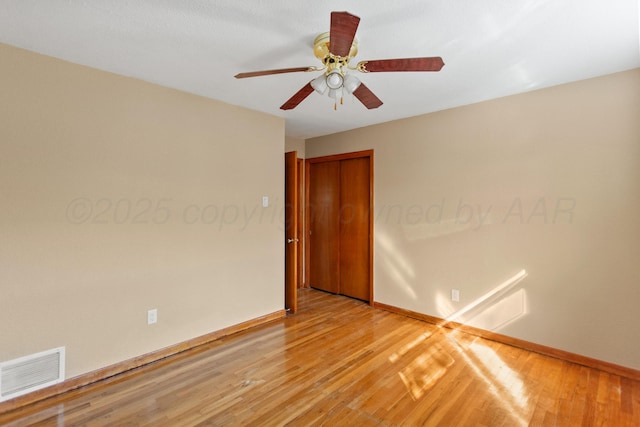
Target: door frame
(301, 219)
(291, 238)
(307, 247)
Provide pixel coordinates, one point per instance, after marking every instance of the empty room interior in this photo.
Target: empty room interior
(433, 217)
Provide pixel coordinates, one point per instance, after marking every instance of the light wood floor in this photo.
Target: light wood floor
(341, 362)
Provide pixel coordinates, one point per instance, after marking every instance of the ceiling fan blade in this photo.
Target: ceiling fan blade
(269, 72)
(368, 98)
(298, 97)
(342, 33)
(402, 64)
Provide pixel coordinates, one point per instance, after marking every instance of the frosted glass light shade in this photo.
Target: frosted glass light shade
(335, 93)
(351, 83)
(319, 84)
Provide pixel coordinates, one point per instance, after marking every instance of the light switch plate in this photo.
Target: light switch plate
(152, 316)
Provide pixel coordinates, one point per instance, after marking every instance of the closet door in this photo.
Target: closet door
(354, 227)
(323, 213)
(339, 224)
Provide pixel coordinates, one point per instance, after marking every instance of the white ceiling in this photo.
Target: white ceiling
(491, 48)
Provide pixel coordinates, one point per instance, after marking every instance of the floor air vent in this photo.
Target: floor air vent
(31, 373)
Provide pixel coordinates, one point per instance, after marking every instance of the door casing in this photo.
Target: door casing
(291, 237)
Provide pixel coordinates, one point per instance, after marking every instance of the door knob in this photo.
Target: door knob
(292, 240)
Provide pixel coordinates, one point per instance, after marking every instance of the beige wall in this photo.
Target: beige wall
(295, 144)
(119, 196)
(547, 182)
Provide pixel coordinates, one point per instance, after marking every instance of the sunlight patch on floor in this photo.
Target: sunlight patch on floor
(425, 371)
(502, 382)
(408, 347)
(501, 373)
(495, 309)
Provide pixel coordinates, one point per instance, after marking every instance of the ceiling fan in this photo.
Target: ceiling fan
(335, 49)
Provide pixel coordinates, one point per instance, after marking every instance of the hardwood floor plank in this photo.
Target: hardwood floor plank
(341, 362)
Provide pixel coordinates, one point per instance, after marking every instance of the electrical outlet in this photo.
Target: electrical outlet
(455, 295)
(265, 201)
(152, 316)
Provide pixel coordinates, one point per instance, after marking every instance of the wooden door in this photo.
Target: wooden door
(292, 206)
(354, 228)
(339, 256)
(300, 231)
(323, 216)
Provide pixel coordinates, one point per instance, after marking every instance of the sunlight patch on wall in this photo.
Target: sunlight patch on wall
(394, 264)
(487, 300)
(444, 305)
(425, 230)
(502, 312)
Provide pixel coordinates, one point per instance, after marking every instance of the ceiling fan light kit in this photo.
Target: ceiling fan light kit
(319, 84)
(335, 49)
(337, 82)
(351, 83)
(334, 79)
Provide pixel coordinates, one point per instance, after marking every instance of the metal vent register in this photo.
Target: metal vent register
(30, 373)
